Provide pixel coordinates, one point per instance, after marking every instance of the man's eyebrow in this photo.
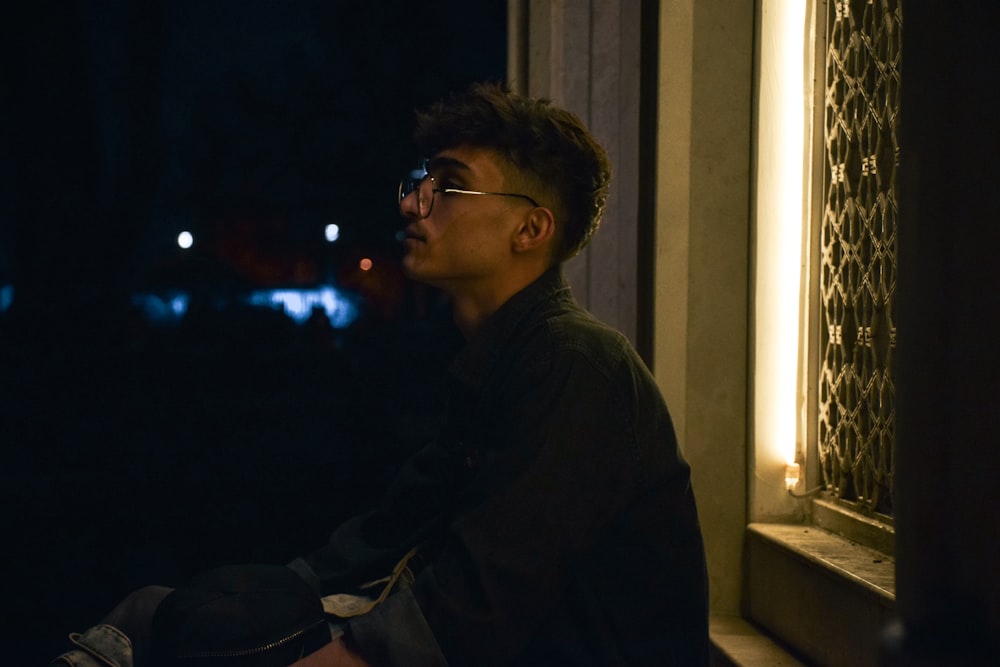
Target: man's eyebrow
(443, 162)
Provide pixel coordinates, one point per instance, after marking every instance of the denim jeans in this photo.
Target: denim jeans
(121, 639)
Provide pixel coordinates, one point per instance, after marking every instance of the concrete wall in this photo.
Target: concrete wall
(703, 186)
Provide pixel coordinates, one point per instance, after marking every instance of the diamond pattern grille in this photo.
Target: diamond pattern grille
(858, 252)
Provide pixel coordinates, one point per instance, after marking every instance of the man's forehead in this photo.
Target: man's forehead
(443, 161)
(482, 162)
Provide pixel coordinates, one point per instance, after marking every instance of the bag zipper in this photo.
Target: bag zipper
(242, 653)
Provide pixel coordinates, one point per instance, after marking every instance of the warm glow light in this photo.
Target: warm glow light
(791, 475)
(185, 240)
(365, 264)
(780, 212)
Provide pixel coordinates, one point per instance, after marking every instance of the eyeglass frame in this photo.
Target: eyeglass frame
(412, 184)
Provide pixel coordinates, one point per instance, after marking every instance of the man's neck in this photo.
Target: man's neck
(471, 308)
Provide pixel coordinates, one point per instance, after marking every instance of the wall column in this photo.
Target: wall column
(702, 237)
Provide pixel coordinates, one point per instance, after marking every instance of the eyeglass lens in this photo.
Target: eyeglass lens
(412, 183)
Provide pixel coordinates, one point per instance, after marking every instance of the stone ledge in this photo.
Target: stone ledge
(735, 643)
(873, 570)
(825, 596)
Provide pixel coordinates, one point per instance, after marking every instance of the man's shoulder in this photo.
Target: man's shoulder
(572, 332)
(576, 326)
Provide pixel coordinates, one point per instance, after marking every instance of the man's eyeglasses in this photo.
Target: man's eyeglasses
(425, 186)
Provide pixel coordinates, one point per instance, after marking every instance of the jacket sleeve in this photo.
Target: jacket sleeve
(367, 546)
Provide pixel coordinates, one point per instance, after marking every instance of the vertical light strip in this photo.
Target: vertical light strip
(780, 196)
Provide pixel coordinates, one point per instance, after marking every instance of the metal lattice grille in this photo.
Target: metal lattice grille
(858, 252)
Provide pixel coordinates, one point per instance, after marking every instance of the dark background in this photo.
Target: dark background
(137, 453)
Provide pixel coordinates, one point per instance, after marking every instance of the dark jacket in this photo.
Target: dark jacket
(554, 510)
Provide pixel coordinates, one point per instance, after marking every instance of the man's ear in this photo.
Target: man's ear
(537, 230)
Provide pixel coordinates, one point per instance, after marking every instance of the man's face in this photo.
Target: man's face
(465, 240)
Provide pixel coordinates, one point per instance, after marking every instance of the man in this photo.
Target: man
(552, 521)
(553, 517)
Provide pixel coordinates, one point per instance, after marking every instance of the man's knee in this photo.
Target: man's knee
(100, 646)
(121, 639)
(134, 616)
(139, 605)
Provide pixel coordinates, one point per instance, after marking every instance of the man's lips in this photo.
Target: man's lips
(411, 233)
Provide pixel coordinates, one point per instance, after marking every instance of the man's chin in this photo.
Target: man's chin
(408, 269)
(415, 274)
(412, 271)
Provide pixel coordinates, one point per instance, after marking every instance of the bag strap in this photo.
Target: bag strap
(346, 605)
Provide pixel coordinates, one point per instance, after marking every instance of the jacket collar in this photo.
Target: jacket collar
(475, 361)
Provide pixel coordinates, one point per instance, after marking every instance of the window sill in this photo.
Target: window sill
(813, 590)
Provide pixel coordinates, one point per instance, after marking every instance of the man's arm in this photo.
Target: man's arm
(368, 546)
(335, 654)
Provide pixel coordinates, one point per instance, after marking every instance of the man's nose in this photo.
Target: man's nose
(409, 207)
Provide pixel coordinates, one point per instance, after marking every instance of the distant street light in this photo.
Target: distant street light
(332, 232)
(185, 240)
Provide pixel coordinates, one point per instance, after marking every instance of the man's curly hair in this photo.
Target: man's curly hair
(552, 153)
